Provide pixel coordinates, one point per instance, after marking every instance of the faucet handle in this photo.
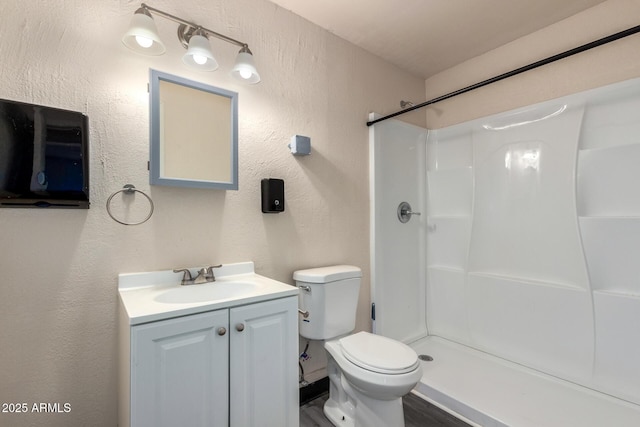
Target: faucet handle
(202, 277)
(210, 276)
(186, 277)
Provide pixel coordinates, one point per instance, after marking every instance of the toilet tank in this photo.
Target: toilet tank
(330, 295)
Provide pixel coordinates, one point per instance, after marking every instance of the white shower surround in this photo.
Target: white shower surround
(532, 237)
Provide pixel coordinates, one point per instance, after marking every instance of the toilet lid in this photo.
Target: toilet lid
(379, 354)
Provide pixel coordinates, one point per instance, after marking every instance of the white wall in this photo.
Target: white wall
(58, 268)
(583, 332)
(398, 174)
(614, 62)
(538, 269)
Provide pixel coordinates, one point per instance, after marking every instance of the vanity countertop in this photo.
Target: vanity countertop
(158, 295)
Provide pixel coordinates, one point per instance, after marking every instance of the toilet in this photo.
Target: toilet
(368, 374)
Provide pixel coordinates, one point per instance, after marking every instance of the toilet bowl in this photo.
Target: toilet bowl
(375, 365)
(368, 374)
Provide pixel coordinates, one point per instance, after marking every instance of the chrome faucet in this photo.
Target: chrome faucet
(205, 275)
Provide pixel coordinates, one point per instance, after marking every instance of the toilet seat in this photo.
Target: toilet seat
(379, 354)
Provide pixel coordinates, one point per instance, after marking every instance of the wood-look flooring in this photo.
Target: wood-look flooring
(417, 413)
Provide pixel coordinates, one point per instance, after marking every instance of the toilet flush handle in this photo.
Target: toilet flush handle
(307, 288)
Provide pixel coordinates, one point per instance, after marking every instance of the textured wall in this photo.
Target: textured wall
(58, 268)
(603, 65)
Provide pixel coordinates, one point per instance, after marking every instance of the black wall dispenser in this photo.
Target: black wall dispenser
(272, 195)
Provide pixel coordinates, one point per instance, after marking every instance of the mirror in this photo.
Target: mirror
(194, 134)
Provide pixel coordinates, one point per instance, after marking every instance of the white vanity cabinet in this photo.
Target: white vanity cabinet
(263, 364)
(234, 365)
(179, 371)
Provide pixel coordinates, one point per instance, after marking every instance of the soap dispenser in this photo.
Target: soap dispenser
(272, 195)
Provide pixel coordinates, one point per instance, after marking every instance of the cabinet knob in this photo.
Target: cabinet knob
(222, 331)
(240, 327)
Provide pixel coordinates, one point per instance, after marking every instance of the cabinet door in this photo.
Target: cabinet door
(264, 364)
(179, 372)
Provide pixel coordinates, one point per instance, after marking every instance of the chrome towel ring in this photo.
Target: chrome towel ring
(130, 189)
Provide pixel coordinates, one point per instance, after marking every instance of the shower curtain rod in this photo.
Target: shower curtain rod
(503, 76)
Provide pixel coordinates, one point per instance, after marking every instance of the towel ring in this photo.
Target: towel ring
(129, 189)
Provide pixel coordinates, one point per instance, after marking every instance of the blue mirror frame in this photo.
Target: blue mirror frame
(158, 140)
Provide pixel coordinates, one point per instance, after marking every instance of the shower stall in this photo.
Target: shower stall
(520, 277)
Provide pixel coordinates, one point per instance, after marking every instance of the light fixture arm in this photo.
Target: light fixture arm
(189, 26)
(142, 37)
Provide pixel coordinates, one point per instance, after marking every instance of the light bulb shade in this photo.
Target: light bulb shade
(143, 29)
(199, 55)
(245, 69)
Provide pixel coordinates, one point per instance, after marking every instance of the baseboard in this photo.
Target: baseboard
(314, 390)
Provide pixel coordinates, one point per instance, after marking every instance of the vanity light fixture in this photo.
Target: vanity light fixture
(142, 37)
(199, 55)
(245, 69)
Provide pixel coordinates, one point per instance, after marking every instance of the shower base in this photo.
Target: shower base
(488, 391)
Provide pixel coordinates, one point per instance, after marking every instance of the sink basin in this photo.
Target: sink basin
(156, 295)
(206, 292)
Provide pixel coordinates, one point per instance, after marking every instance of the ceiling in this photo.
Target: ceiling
(425, 37)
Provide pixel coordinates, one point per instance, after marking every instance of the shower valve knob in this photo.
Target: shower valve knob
(405, 212)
